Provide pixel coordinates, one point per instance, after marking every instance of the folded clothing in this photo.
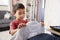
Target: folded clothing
(56, 28)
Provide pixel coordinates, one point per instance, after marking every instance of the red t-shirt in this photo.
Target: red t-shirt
(14, 24)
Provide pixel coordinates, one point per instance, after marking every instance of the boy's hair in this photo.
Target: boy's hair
(18, 6)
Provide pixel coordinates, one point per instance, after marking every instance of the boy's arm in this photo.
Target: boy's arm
(12, 28)
(12, 32)
(42, 23)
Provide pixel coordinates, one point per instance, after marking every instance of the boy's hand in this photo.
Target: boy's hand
(42, 23)
(21, 25)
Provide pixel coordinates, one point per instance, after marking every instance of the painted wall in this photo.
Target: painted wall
(4, 2)
(52, 13)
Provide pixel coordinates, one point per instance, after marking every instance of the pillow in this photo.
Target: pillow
(7, 16)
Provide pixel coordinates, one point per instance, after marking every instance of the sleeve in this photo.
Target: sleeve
(26, 20)
(12, 25)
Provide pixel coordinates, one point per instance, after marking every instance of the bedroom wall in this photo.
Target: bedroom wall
(52, 13)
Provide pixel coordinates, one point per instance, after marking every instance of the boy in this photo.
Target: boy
(19, 13)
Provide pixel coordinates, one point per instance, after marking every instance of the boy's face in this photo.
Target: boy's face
(20, 13)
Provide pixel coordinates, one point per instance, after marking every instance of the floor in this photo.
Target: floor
(4, 35)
